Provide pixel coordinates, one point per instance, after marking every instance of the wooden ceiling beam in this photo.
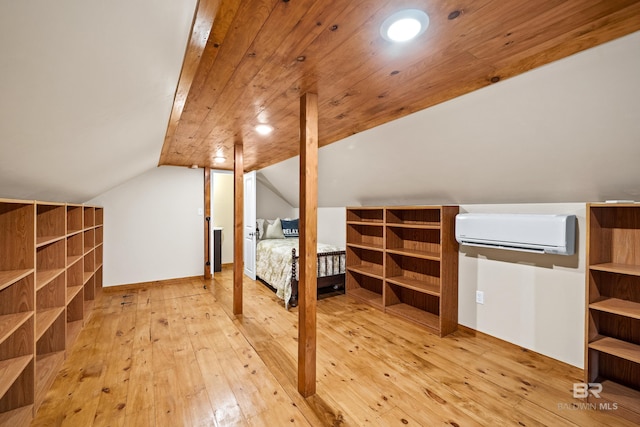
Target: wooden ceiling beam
(200, 29)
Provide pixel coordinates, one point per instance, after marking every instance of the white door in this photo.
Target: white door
(250, 224)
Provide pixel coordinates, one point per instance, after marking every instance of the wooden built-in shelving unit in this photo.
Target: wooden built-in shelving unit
(613, 305)
(43, 280)
(404, 260)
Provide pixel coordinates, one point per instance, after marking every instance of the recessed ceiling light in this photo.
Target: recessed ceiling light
(264, 129)
(404, 25)
(219, 159)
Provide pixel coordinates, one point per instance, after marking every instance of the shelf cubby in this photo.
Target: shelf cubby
(75, 279)
(365, 215)
(51, 224)
(365, 261)
(75, 316)
(99, 216)
(74, 219)
(50, 300)
(99, 238)
(89, 217)
(97, 257)
(420, 275)
(18, 298)
(53, 338)
(98, 278)
(89, 266)
(414, 216)
(89, 289)
(89, 240)
(415, 306)
(50, 262)
(613, 305)
(365, 288)
(17, 240)
(416, 242)
(75, 248)
(365, 236)
(17, 400)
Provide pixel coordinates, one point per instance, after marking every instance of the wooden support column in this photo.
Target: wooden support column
(238, 238)
(307, 288)
(207, 223)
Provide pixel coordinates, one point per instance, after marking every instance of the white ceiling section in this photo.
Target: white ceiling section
(566, 132)
(86, 88)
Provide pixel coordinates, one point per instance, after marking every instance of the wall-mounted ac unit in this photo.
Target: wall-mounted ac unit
(551, 234)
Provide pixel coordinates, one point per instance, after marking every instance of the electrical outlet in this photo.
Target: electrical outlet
(479, 297)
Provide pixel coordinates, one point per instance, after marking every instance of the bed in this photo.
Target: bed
(277, 266)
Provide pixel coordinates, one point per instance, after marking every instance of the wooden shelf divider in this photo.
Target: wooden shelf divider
(9, 323)
(72, 291)
(368, 270)
(612, 267)
(43, 278)
(9, 277)
(422, 286)
(45, 318)
(10, 370)
(622, 349)
(618, 306)
(21, 416)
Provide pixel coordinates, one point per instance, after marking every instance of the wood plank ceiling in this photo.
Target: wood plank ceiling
(260, 56)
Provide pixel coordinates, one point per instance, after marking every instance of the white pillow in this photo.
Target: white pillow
(274, 231)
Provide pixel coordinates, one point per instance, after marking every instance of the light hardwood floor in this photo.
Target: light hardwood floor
(173, 355)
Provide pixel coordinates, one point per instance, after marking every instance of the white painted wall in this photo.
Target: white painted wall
(532, 300)
(152, 227)
(332, 227)
(222, 210)
(270, 206)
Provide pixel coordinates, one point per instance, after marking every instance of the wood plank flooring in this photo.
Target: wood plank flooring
(174, 355)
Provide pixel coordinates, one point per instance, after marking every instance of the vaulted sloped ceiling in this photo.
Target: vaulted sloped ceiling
(86, 88)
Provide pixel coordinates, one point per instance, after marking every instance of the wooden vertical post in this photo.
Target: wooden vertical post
(238, 226)
(308, 244)
(207, 223)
